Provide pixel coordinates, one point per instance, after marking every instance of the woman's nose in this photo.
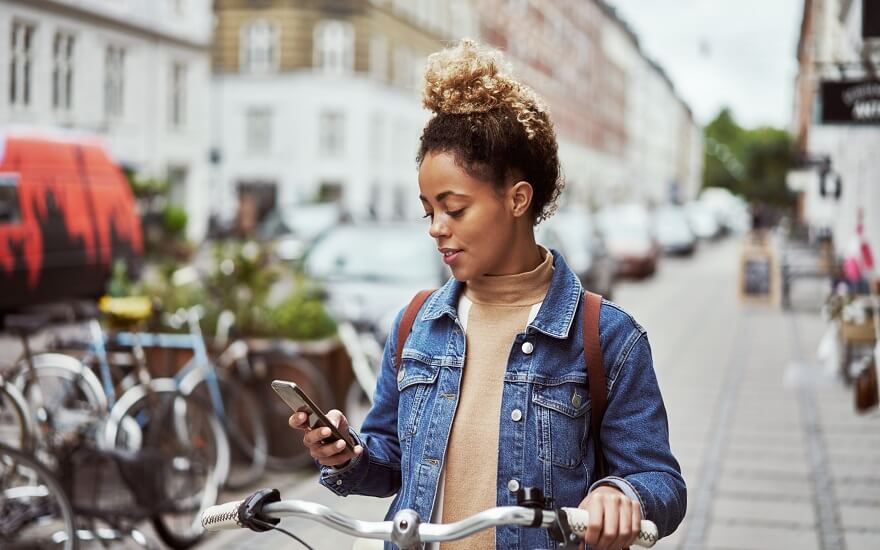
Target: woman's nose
(438, 228)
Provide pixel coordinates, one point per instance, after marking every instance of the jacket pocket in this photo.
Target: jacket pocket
(415, 379)
(561, 411)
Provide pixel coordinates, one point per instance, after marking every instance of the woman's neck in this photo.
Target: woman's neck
(524, 256)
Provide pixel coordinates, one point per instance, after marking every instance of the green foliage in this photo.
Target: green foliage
(749, 162)
(300, 316)
(174, 220)
(144, 187)
(120, 284)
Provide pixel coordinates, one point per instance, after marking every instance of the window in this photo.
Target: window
(334, 47)
(332, 132)
(114, 74)
(178, 95)
(379, 57)
(9, 212)
(258, 131)
(403, 67)
(21, 63)
(62, 71)
(259, 47)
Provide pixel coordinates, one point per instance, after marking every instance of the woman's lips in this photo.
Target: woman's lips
(450, 255)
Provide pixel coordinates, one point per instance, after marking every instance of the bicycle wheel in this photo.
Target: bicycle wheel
(34, 510)
(193, 444)
(63, 395)
(286, 451)
(16, 425)
(245, 427)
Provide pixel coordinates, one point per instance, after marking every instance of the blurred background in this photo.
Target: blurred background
(198, 197)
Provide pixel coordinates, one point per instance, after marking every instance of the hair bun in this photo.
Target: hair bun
(470, 78)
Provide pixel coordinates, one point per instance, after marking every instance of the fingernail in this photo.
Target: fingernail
(340, 444)
(325, 431)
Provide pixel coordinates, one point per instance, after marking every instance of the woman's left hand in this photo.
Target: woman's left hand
(615, 519)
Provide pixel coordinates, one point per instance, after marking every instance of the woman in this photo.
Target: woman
(491, 393)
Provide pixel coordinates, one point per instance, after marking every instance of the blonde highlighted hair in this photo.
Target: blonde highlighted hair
(496, 127)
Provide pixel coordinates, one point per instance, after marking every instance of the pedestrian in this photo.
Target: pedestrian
(491, 394)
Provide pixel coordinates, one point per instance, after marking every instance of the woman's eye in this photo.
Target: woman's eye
(455, 213)
(428, 215)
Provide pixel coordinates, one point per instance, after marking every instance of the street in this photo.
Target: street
(772, 452)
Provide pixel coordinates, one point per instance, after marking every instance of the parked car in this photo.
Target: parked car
(372, 270)
(293, 228)
(673, 233)
(67, 214)
(702, 221)
(573, 232)
(629, 239)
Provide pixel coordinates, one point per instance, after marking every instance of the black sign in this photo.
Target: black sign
(852, 102)
(756, 276)
(870, 18)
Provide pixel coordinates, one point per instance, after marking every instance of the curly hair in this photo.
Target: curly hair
(495, 127)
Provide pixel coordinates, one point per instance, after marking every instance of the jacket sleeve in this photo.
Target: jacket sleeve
(635, 440)
(377, 471)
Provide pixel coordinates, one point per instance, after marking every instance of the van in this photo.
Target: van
(67, 213)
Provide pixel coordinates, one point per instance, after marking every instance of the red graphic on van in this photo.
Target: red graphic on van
(75, 214)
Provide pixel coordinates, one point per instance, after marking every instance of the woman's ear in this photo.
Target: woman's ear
(520, 197)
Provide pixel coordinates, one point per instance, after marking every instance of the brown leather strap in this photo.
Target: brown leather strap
(596, 372)
(406, 322)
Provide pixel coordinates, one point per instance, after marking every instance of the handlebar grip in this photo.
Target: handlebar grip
(221, 516)
(579, 518)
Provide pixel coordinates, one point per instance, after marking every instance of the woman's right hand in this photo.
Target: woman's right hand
(334, 453)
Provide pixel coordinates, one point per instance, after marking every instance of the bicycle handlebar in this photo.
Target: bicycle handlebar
(407, 530)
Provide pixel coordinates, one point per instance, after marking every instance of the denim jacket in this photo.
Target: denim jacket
(547, 444)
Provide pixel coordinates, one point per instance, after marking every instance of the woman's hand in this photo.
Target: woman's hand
(615, 519)
(334, 453)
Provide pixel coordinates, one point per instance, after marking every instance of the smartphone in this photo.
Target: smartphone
(297, 400)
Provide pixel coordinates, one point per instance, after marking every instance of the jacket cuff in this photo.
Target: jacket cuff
(344, 480)
(623, 485)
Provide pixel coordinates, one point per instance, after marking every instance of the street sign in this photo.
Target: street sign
(758, 277)
(854, 102)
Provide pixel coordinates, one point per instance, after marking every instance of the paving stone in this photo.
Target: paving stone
(751, 537)
(781, 511)
(860, 517)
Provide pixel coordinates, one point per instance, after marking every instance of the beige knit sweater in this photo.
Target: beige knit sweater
(499, 310)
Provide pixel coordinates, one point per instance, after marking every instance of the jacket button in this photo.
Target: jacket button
(516, 415)
(513, 485)
(338, 482)
(528, 348)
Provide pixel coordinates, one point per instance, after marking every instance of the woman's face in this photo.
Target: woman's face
(472, 221)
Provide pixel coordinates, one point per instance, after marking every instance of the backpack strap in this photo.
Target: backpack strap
(596, 374)
(406, 322)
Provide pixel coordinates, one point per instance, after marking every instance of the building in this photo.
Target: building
(136, 73)
(624, 134)
(836, 118)
(320, 100)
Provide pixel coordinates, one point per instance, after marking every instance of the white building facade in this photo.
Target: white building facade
(832, 49)
(340, 121)
(134, 72)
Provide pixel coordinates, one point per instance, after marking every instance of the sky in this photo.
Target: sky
(738, 53)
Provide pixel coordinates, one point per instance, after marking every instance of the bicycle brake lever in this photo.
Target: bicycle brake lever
(250, 512)
(562, 532)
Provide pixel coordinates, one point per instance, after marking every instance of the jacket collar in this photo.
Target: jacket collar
(555, 316)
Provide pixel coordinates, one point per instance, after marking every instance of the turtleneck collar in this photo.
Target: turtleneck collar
(520, 289)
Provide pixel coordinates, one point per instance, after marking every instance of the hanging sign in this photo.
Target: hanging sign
(856, 102)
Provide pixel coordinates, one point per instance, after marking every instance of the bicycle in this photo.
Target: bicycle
(263, 510)
(195, 460)
(34, 509)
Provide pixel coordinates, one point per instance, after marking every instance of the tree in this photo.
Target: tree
(749, 162)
